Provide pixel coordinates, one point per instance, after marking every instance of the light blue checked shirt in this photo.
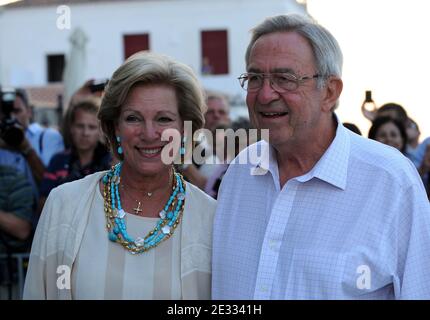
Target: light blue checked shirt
(47, 142)
(356, 226)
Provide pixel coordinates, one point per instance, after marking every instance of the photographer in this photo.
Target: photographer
(40, 144)
(12, 139)
(35, 143)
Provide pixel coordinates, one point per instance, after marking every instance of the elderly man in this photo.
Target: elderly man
(217, 116)
(330, 215)
(218, 111)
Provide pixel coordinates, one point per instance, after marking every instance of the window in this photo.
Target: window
(55, 63)
(135, 43)
(214, 52)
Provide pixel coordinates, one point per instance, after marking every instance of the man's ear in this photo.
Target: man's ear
(332, 90)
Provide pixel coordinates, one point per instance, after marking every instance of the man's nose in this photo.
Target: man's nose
(267, 94)
(217, 115)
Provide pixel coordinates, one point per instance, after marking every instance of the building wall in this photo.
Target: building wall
(28, 34)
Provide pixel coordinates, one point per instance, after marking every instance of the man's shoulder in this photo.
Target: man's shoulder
(35, 128)
(53, 133)
(423, 146)
(379, 157)
(253, 154)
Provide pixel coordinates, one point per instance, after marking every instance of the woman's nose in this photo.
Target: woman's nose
(150, 131)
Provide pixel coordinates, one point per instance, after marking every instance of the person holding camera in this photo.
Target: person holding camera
(34, 142)
(44, 141)
(12, 140)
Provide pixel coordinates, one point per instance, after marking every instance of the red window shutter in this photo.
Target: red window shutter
(135, 43)
(214, 52)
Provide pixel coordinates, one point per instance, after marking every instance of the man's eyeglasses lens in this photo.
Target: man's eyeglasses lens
(280, 81)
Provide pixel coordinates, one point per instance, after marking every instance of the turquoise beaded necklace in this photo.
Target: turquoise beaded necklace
(170, 216)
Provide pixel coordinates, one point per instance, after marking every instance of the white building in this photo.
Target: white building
(34, 42)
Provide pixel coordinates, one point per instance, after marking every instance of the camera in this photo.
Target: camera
(11, 132)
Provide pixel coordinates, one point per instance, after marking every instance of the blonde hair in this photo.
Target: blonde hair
(151, 68)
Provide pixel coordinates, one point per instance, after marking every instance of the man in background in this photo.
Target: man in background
(216, 116)
(44, 141)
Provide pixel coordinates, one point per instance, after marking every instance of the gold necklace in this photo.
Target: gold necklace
(170, 216)
(149, 194)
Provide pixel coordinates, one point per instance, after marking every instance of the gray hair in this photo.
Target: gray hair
(151, 68)
(326, 50)
(213, 95)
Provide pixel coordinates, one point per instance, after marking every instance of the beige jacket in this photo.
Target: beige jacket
(62, 226)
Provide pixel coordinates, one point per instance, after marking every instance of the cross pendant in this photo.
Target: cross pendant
(137, 210)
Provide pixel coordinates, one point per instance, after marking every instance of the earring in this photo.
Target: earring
(119, 149)
(182, 150)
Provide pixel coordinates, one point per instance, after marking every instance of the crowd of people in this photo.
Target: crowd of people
(392, 126)
(128, 224)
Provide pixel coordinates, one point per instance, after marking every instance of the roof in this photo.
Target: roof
(35, 3)
(46, 96)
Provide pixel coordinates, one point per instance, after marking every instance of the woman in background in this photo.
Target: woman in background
(390, 132)
(85, 153)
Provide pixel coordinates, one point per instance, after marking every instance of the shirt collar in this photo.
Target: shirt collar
(331, 168)
(267, 160)
(33, 128)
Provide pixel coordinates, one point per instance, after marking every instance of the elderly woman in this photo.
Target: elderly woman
(137, 231)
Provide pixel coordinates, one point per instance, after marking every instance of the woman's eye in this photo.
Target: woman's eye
(131, 118)
(164, 119)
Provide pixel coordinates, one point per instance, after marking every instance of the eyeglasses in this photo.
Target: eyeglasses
(279, 81)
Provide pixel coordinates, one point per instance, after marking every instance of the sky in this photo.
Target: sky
(386, 49)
